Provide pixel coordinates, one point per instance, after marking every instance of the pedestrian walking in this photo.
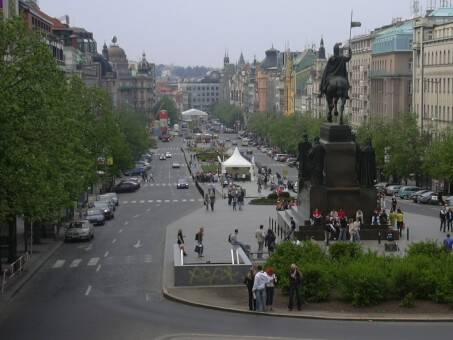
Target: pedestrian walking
(249, 280)
(443, 218)
(270, 286)
(199, 247)
(150, 177)
(235, 201)
(212, 198)
(400, 221)
(260, 237)
(181, 242)
(241, 195)
(269, 241)
(450, 219)
(394, 202)
(295, 281)
(259, 288)
(206, 201)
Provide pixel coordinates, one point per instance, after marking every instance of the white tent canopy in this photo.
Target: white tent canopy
(236, 161)
(194, 113)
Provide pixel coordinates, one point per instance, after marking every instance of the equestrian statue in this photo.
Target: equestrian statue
(335, 83)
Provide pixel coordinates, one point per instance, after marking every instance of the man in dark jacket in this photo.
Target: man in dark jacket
(295, 281)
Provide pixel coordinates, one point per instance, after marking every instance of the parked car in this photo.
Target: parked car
(126, 186)
(96, 216)
(80, 230)
(168, 154)
(135, 172)
(381, 186)
(429, 198)
(109, 202)
(405, 191)
(106, 209)
(449, 202)
(162, 157)
(176, 165)
(182, 184)
(416, 195)
(143, 164)
(392, 189)
(112, 195)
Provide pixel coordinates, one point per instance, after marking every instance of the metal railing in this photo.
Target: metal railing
(13, 269)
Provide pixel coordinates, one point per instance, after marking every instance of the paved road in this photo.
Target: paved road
(111, 288)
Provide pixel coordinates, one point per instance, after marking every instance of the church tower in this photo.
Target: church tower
(322, 50)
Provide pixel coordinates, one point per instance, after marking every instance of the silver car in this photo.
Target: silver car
(96, 217)
(111, 195)
(80, 230)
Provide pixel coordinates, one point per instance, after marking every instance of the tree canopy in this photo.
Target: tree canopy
(227, 114)
(53, 129)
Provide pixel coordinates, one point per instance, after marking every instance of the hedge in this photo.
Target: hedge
(364, 278)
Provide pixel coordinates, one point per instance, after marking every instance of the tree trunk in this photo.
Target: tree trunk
(12, 240)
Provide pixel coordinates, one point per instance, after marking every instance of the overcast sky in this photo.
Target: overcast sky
(197, 32)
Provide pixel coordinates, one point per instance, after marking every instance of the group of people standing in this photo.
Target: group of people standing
(236, 197)
(261, 285)
(446, 219)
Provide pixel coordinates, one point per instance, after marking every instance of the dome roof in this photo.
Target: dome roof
(143, 66)
(116, 53)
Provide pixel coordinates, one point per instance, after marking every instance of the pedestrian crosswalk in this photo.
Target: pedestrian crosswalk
(95, 261)
(167, 201)
(146, 185)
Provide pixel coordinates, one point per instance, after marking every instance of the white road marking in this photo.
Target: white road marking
(157, 184)
(59, 264)
(148, 258)
(125, 202)
(126, 223)
(151, 185)
(158, 201)
(114, 240)
(138, 215)
(164, 184)
(175, 201)
(89, 247)
(184, 200)
(142, 201)
(120, 231)
(133, 202)
(150, 201)
(192, 200)
(138, 244)
(98, 268)
(93, 261)
(200, 200)
(75, 263)
(87, 292)
(106, 254)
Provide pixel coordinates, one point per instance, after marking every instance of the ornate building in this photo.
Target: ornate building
(433, 71)
(226, 76)
(289, 81)
(268, 82)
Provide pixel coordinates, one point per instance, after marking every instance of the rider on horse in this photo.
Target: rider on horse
(336, 66)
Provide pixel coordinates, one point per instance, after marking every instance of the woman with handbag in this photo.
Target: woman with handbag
(181, 242)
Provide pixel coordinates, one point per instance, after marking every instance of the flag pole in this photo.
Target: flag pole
(350, 30)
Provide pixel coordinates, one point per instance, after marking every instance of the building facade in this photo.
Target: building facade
(359, 79)
(203, 94)
(433, 71)
(391, 72)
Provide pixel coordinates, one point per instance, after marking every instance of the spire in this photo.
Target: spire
(241, 62)
(105, 51)
(322, 50)
(226, 59)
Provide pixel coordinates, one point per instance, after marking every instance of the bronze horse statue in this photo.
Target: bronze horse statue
(335, 84)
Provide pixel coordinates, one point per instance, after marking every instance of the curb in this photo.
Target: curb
(312, 316)
(32, 271)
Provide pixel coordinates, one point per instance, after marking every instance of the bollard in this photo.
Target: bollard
(407, 233)
(379, 237)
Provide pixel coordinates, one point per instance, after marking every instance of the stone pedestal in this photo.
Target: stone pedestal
(340, 188)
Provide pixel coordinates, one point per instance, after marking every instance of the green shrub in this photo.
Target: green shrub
(428, 248)
(363, 282)
(287, 253)
(284, 194)
(408, 301)
(345, 251)
(317, 281)
(272, 196)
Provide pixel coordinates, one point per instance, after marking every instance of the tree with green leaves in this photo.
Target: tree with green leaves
(168, 104)
(227, 114)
